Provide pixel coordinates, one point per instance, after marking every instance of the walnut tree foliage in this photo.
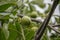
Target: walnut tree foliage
(20, 20)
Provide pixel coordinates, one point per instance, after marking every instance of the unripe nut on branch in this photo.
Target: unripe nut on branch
(25, 20)
(33, 14)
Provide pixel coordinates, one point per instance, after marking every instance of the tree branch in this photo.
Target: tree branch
(46, 21)
(40, 21)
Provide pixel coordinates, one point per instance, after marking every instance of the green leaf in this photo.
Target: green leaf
(39, 3)
(29, 34)
(5, 30)
(14, 11)
(32, 8)
(49, 8)
(4, 18)
(42, 15)
(2, 36)
(57, 20)
(12, 32)
(19, 30)
(5, 6)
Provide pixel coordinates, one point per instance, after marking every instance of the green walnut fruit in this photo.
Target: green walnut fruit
(33, 14)
(25, 20)
(34, 28)
(42, 5)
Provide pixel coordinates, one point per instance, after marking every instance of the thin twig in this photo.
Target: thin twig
(56, 25)
(54, 29)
